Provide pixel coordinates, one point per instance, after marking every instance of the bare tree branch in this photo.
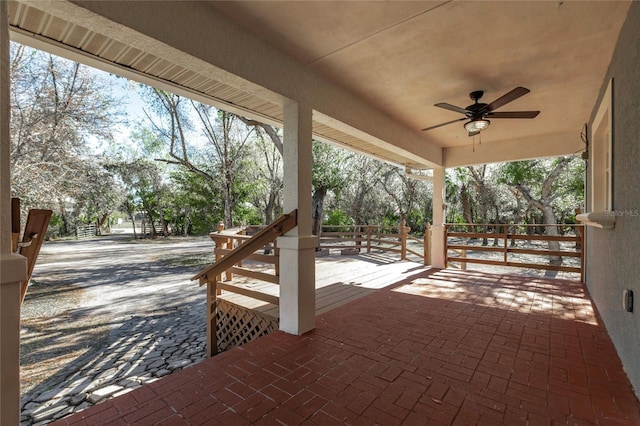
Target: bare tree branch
(269, 130)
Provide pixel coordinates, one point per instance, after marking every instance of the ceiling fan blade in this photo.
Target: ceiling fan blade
(505, 99)
(513, 114)
(444, 124)
(451, 107)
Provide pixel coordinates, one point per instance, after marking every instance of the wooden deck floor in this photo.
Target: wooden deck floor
(339, 280)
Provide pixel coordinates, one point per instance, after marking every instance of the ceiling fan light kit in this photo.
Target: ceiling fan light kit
(478, 113)
(476, 125)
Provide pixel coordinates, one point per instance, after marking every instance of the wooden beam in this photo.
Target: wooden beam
(262, 276)
(249, 293)
(543, 252)
(264, 258)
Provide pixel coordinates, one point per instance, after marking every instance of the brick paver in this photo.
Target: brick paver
(444, 347)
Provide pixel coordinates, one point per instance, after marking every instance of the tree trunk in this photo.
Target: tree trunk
(518, 217)
(143, 225)
(270, 207)
(478, 175)
(318, 210)
(466, 207)
(187, 223)
(65, 219)
(550, 219)
(228, 212)
(543, 204)
(357, 206)
(129, 209)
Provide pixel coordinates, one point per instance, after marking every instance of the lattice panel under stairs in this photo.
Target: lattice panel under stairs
(238, 325)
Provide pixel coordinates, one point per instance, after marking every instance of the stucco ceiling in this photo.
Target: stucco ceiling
(406, 56)
(401, 57)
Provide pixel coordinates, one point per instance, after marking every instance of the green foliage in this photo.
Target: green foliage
(416, 220)
(338, 217)
(55, 229)
(390, 220)
(330, 171)
(247, 215)
(196, 206)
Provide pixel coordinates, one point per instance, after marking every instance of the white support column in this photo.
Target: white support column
(437, 229)
(297, 247)
(13, 268)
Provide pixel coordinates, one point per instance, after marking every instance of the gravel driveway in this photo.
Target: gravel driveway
(82, 292)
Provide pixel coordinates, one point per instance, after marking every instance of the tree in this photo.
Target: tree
(485, 195)
(359, 200)
(461, 195)
(541, 183)
(101, 196)
(222, 152)
(329, 173)
(57, 108)
(266, 173)
(404, 193)
(144, 187)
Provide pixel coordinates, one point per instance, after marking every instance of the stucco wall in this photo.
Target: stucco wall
(613, 256)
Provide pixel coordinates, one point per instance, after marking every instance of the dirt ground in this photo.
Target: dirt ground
(81, 290)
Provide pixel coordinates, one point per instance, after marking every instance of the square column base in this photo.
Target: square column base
(14, 270)
(437, 246)
(297, 283)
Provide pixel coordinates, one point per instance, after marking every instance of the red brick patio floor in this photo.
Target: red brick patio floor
(442, 347)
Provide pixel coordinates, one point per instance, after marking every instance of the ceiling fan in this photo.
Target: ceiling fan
(478, 113)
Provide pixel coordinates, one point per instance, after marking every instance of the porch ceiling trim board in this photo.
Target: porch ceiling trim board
(539, 146)
(65, 51)
(230, 55)
(333, 132)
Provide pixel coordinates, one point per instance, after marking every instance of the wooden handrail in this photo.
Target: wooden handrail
(360, 237)
(506, 236)
(524, 225)
(266, 235)
(363, 237)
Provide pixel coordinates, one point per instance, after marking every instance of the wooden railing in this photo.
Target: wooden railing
(32, 238)
(392, 239)
(231, 250)
(509, 244)
(461, 254)
(85, 231)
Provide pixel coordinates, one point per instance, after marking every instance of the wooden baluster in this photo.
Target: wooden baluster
(219, 241)
(505, 235)
(219, 245)
(463, 254)
(583, 249)
(426, 260)
(446, 246)
(403, 240)
(276, 254)
(15, 224)
(232, 244)
(212, 322)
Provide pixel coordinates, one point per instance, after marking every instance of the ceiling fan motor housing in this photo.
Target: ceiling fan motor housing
(475, 96)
